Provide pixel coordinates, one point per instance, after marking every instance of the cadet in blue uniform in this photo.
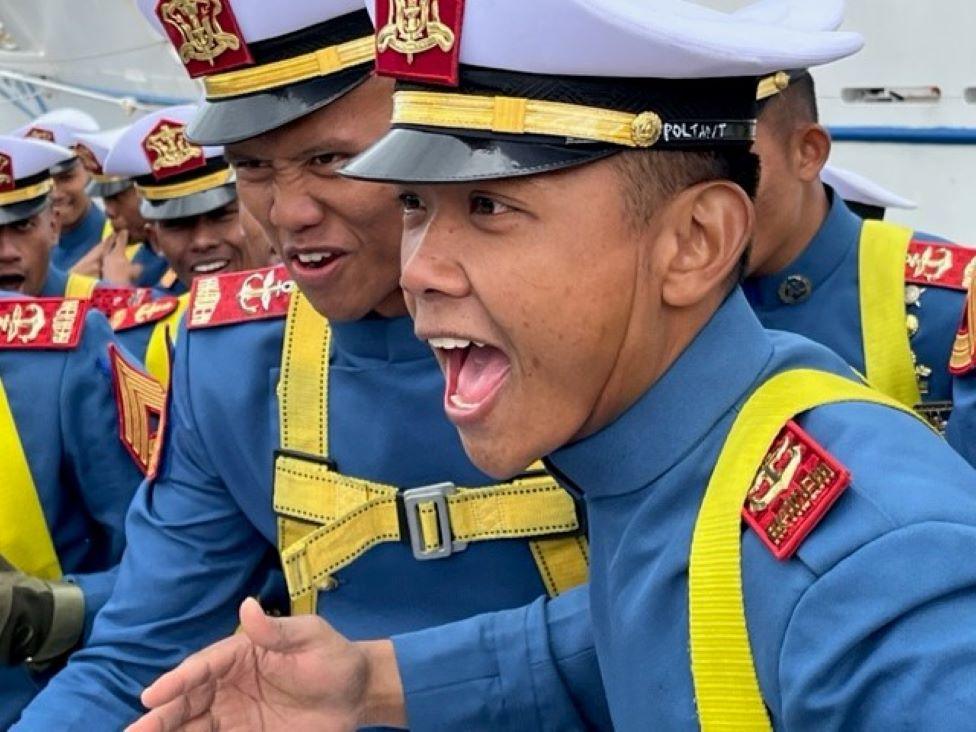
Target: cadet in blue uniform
(190, 201)
(67, 478)
(82, 222)
(613, 338)
(350, 405)
(121, 201)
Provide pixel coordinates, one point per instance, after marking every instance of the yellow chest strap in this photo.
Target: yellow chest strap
(79, 285)
(726, 687)
(160, 340)
(888, 360)
(327, 520)
(25, 541)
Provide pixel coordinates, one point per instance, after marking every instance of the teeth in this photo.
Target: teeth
(209, 267)
(460, 403)
(449, 344)
(315, 257)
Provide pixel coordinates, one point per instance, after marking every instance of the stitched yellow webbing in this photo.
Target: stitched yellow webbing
(887, 353)
(79, 285)
(726, 687)
(163, 335)
(327, 520)
(25, 541)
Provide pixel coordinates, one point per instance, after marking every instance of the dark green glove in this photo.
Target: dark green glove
(40, 621)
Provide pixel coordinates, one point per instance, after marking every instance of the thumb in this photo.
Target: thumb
(283, 635)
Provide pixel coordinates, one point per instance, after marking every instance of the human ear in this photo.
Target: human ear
(811, 151)
(711, 225)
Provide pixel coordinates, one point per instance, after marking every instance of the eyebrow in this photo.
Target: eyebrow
(328, 148)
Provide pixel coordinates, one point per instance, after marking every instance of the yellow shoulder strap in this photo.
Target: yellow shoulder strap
(726, 687)
(132, 250)
(163, 333)
(304, 380)
(107, 229)
(25, 541)
(888, 358)
(80, 285)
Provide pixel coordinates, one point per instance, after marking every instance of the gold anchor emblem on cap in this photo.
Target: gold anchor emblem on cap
(6, 179)
(198, 24)
(171, 148)
(414, 27)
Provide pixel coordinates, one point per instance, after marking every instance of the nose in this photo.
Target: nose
(9, 253)
(429, 261)
(205, 236)
(292, 209)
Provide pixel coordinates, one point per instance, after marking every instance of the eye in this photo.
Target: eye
(250, 164)
(485, 206)
(411, 203)
(326, 159)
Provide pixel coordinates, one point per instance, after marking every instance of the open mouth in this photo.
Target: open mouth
(12, 282)
(475, 374)
(206, 268)
(316, 263)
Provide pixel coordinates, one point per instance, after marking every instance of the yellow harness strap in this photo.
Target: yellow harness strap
(79, 285)
(327, 520)
(25, 541)
(888, 358)
(162, 336)
(726, 687)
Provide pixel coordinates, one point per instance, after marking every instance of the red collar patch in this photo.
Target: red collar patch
(240, 296)
(39, 133)
(148, 312)
(7, 180)
(141, 402)
(419, 40)
(205, 34)
(937, 264)
(49, 323)
(798, 482)
(169, 152)
(108, 300)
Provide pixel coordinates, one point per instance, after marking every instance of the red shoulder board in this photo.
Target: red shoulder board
(963, 358)
(239, 296)
(419, 43)
(142, 407)
(41, 323)
(108, 300)
(149, 312)
(937, 264)
(205, 34)
(796, 485)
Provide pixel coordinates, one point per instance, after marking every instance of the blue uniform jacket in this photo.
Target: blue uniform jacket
(154, 266)
(869, 626)
(64, 407)
(200, 532)
(75, 244)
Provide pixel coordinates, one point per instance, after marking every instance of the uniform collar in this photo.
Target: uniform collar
(713, 374)
(377, 338)
(55, 284)
(837, 235)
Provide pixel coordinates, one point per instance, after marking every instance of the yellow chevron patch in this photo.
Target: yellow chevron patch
(141, 402)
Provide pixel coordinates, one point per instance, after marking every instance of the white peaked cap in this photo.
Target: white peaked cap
(855, 187)
(260, 20)
(667, 39)
(128, 156)
(32, 157)
(100, 143)
(803, 15)
(63, 124)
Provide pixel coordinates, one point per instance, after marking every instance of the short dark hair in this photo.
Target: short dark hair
(794, 106)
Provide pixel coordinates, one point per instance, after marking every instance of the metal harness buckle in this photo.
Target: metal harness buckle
(437, 495)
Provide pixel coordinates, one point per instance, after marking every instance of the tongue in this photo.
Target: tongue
(481, 372)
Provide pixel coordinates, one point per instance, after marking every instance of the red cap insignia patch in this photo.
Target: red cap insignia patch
(239, 296)
(169, 152)
(88, 159)
(419, 40)
(206, 35)
(108, 300)
(937, 264)
(39, 133)
(141, 402)
(798, 482)
(149, 312)
(41, 323)
(7, 180)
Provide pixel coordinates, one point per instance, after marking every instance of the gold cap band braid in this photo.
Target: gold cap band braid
(19, 195)
(186, 188)
(323, 62)
(107, 178)
(773, 85)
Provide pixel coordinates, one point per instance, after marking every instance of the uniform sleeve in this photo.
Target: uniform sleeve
(533, 667)
(887, 639)
(961, 432)
(192, 557)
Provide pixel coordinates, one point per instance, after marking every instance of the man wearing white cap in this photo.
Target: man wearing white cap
(67, 477)
(576, 213)
(865, 197)
(82, 221)
(325, 440)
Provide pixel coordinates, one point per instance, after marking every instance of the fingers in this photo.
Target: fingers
(201, 670)
(284, 635)
(177, 715)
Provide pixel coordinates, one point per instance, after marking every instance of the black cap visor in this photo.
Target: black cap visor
(107, 189)
(232, 120)
(407, 155)
(193, 205)
(23, 210)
